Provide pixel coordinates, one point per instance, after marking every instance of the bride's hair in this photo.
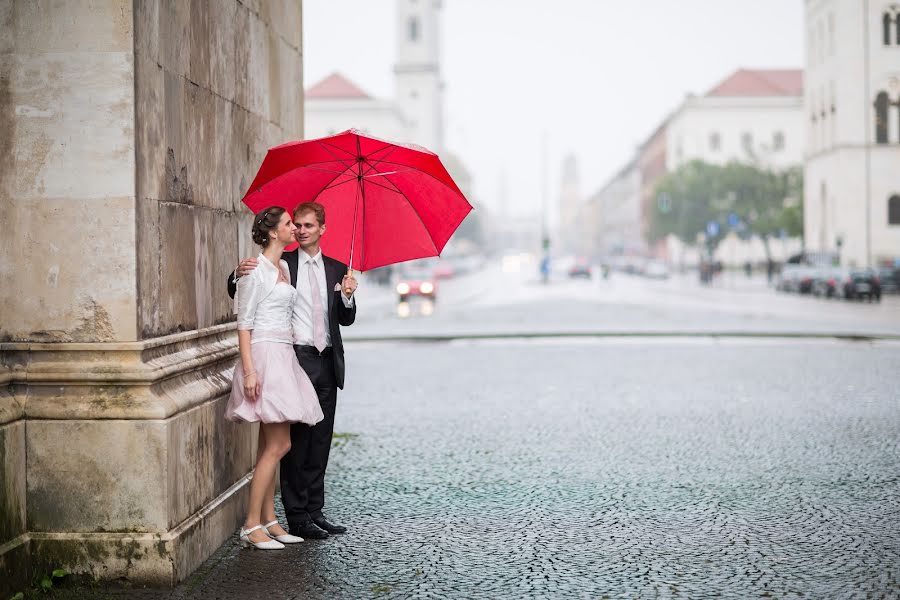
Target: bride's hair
(264, 222)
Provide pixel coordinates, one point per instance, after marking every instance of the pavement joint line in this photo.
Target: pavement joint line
(437, 338)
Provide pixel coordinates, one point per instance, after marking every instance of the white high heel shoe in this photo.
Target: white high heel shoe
(284, 539)
(267, 545)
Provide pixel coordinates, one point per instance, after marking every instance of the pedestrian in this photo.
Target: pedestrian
(268, 385)
(324, 301)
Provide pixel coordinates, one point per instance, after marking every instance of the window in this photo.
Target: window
(881, 118)
(886, 28)
(413, 29)
(778, 141)
(715, 141)
(894, 210)
(747, 142)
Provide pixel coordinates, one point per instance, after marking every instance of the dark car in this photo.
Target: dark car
(861, 283)
(890, 279)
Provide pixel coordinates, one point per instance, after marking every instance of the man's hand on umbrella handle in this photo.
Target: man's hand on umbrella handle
(349, 284)
(246, 267)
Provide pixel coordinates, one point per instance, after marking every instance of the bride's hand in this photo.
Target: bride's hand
(251, 387)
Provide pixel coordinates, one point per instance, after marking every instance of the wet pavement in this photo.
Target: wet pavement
(611, 468)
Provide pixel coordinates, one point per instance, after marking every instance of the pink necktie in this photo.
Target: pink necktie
(318, 314)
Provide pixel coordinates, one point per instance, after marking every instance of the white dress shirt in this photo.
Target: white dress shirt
(301, 320)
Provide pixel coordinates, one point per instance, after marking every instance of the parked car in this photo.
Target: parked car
(580, 268)
(795, 278)
(827, 280)
(656, 269)
(890, 279)
(861, 283)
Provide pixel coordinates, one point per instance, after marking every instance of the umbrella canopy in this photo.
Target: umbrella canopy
(384, 202)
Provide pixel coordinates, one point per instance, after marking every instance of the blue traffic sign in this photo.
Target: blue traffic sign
(712, 228)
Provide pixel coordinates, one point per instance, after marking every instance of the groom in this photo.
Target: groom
(324, 301)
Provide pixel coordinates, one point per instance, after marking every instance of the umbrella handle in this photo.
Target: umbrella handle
(348, 291)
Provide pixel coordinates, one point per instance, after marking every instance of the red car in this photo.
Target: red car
(416, 280)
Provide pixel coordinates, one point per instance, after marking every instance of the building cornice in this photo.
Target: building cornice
(152, 379)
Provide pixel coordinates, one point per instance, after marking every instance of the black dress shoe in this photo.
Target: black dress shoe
(323, 523)
(307, 530)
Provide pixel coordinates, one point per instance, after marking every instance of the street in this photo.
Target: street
(601, 467)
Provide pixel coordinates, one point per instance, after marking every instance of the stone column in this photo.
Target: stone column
(129, 130)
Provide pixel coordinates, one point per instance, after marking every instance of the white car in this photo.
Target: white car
(656, 270)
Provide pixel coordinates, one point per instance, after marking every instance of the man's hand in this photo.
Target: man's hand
(348, 285)
(246, 267)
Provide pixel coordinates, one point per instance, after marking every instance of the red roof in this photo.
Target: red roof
(336, 86)
(753, 82)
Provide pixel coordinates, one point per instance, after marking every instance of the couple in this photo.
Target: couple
(289, 306)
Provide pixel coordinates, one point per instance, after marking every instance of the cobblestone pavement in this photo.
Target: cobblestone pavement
(593, 469)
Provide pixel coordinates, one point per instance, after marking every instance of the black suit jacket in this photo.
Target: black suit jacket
(338, 314)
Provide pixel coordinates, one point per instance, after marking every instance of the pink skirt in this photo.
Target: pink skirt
(286, 393)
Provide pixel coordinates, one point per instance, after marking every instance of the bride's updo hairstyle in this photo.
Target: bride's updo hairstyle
(264, 222)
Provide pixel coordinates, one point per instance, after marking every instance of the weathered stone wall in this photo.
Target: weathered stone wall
(217, 83)
(128, 131)
(67, 171)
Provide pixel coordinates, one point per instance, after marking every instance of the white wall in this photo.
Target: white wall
(858, 176)
(327, 116)
(691, 128)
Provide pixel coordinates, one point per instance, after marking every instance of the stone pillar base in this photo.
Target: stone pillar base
(117, 461)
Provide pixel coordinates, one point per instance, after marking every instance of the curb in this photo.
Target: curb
(429, 338)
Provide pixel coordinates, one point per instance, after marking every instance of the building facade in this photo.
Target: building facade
(336, 103)
(613, 215)
(852, 116)
(753, 116)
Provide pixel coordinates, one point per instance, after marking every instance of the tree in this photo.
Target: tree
(764, 202)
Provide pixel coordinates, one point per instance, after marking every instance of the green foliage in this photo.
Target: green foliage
(765, 201)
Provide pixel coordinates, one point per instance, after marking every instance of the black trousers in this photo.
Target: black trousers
(303, 467)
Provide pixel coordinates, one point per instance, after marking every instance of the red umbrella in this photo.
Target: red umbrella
(384, 202)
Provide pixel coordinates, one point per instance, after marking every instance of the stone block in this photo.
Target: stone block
(75, 260)
(96, 476)
(150, 128)
(283, 16)
(175, 128)
(12, 481)
(72, 26)
(256, 45)
(7, 27)
(207, 455)
(223, 24)
(146, 30)
(174, 28)
(216, 256)
(240, 70)
(177, 302)
(201, 42)
(149, 276)
(199, 116)
(221, 153)
(55, 97)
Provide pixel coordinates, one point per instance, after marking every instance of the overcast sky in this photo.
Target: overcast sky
(597, 75)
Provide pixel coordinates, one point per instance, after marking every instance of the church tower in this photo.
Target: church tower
(417, 75)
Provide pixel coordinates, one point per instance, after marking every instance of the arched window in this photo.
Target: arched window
(881, 118)
(886, 28)
(894, 210)
(413, 29)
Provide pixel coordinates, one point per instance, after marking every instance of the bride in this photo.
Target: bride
(269, 386)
